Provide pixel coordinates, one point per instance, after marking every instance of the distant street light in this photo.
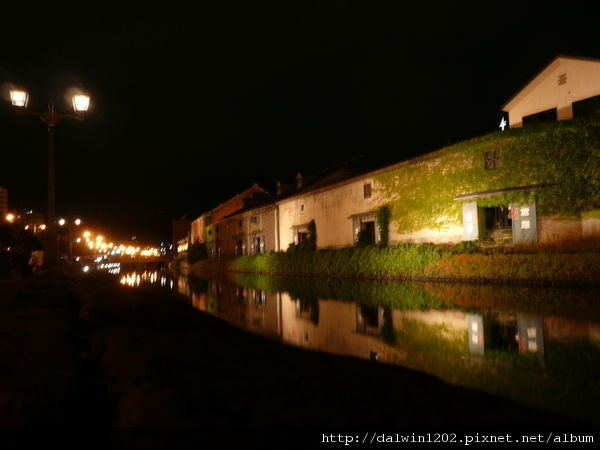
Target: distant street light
(62, 223)
(19, 98)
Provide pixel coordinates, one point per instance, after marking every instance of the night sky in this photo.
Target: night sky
(194, 101)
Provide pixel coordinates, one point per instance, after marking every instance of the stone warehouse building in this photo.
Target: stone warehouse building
(271, 222)
(209, 229)
(534, 182)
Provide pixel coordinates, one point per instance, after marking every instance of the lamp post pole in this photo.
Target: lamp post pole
(51, 253)
(19, 98)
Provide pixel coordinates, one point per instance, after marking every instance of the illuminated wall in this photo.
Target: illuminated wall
(565, 81)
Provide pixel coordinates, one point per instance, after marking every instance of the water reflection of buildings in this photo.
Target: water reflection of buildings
(247, 308)
(364, 331)
(181, 288)
(336, 327)
(526, 357)
(523, 333)
(546, 361)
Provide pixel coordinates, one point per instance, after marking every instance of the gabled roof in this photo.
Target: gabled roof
(544, 73)
(331, 175)
(255, 188)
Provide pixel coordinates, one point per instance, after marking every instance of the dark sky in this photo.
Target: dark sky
(194, 101)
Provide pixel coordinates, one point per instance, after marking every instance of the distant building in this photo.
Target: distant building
(271, 222)
(208, 228)
(198, 227)
(568, 87)
(181, 236)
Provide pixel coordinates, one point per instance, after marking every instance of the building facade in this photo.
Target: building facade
(526, 184)
(212, 229)
(567, 88)
(340, 211)
(181, 237)
(250, 231)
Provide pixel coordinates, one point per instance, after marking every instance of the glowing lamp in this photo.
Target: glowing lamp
(19, 98)
(81, 103)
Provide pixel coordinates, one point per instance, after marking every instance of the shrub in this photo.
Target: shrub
(383, 222)
(309, 244)
(197, 252)
(363, 239)
(465, 248)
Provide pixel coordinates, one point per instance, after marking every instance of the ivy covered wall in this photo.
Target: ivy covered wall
(563, 156)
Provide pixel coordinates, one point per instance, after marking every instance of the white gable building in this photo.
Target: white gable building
(568, 87)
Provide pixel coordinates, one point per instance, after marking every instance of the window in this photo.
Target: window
(257, 245)
(497, 217)
(492, 160)
(367, 190)
(302, 208)
(364, 229)
(242, 295)
(240, 246)
(260, 299)
(302, 236)
(367, 233)
(549, 115)
(587, 107)
(255, 219)
(369, 320)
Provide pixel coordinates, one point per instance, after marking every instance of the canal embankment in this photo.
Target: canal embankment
(525, 265)
(80, 349)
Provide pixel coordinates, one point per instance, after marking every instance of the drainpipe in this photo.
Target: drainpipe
(276, 228)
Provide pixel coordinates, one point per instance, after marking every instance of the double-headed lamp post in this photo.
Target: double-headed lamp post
(19, 99)
(63, 222)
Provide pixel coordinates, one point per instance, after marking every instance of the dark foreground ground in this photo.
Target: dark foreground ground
(80, 350)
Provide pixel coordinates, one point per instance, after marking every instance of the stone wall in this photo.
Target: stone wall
(591, 227)
(554, 229)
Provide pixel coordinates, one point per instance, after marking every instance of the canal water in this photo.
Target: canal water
(539, 346)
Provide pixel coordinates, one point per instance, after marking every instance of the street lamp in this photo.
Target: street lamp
(62, 223)
(19, 98)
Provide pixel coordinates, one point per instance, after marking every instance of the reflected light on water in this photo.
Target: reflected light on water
(134, 279)
(113, 268)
